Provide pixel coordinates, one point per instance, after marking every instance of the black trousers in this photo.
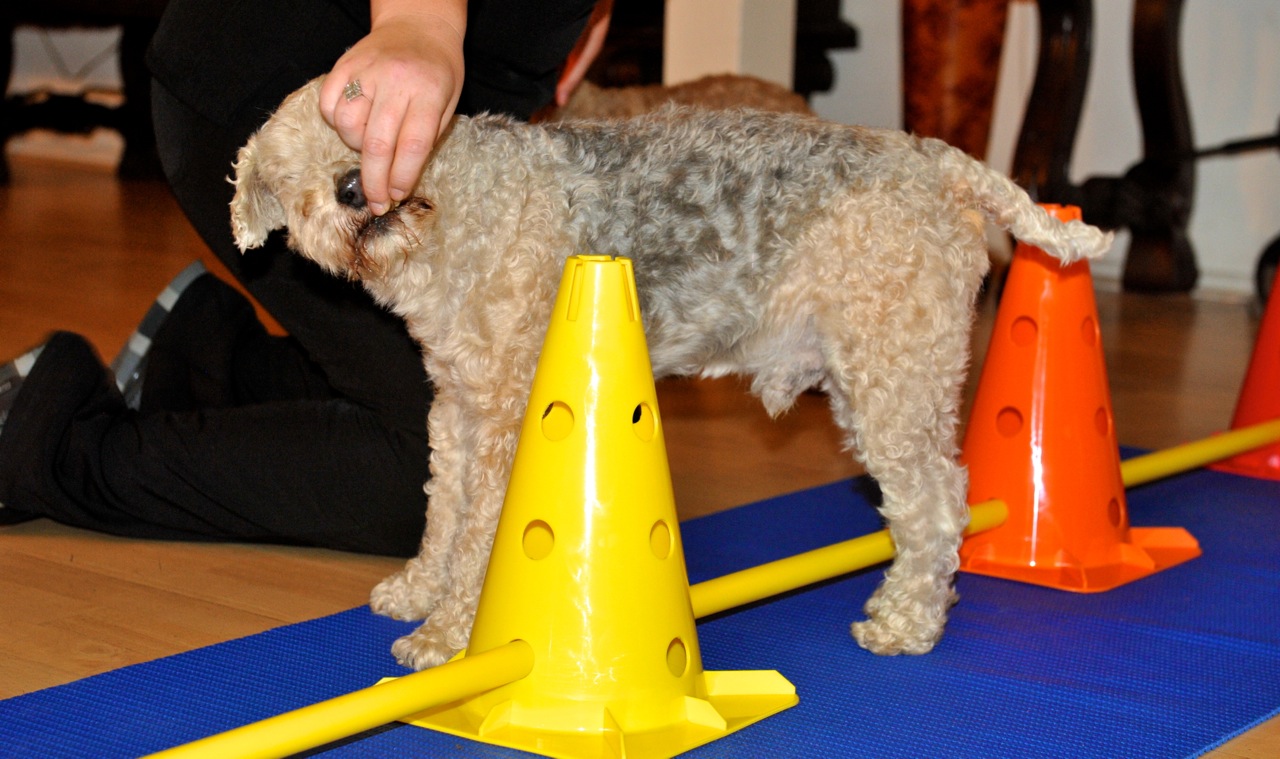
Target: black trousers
(318, 438)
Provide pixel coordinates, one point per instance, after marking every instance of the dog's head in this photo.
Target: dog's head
(296, 173)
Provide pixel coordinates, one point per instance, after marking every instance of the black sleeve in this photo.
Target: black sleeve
(223, 57)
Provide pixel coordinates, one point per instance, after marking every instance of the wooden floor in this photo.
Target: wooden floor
(81, 251)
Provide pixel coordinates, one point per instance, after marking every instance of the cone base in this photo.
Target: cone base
(1149, 550)
(1262, 464)
(586, 729)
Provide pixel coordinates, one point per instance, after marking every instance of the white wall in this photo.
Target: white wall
(745, 37)
(868, 81)
(1231, 67)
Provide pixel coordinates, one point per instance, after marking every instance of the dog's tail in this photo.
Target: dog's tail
(1006, 204)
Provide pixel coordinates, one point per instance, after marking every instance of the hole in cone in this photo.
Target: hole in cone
(1023, 331)
(677, 658)
(1089, 331)
(660, 539)
(1114, 513)
(642, 422)
(538, 540)
(557, 421)
(1009, 421)
(1102, 420)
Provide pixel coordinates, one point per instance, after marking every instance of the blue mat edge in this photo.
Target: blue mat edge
(1233, 736)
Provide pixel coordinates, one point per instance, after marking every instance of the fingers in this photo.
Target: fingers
(381, 134)
(410, 74)
(393, 132)
(419, 129)
(346, 107)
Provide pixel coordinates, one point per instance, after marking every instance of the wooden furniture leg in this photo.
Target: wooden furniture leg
(1154, 198)
(951, 60)
(1160, 255)
(1043, 152)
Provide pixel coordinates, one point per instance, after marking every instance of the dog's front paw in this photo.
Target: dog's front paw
(428, 646)
(400, 598)
(900, 626)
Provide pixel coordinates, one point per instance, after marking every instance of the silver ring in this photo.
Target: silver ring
(352, 90)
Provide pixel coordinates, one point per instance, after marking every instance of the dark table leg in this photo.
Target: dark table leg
(1043, 153)
(1160, 256)
(1154, 198)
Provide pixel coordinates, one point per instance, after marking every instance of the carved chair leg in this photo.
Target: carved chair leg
(1043, 153)
(1154, 198)
(1160, 255)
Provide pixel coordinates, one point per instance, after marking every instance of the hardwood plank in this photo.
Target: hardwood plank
(283, 581)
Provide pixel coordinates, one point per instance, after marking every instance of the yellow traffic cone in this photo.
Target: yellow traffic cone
(587, 564)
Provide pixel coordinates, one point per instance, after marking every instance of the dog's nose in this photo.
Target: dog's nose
(350, 193)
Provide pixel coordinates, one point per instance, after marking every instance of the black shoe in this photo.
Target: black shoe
(12, 375)
(131, 364)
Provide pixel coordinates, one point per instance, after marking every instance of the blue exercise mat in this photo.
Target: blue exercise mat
(1169, 666)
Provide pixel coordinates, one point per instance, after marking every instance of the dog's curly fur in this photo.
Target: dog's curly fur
(798, 252)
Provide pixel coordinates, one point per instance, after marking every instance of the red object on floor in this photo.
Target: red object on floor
(1260, 396)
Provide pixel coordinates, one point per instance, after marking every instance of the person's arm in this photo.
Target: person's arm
(585, 52)
(409, 69)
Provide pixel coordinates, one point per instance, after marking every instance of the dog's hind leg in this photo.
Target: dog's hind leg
(923, 505)
(906, 441)
(896, 393)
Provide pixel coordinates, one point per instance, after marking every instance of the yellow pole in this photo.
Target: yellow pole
(753, 584)
(1153, 466)
(367, 708)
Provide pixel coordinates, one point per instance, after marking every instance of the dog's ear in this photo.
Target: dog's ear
(255, 211)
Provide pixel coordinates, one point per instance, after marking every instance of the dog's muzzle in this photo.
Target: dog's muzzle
(349, 191)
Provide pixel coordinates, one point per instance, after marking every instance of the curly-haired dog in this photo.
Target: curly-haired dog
(798, 252)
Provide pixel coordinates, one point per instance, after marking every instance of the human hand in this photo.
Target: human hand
(393, 93)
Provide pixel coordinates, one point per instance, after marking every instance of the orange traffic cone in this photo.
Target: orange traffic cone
(1260, 396)
(1041, 437)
